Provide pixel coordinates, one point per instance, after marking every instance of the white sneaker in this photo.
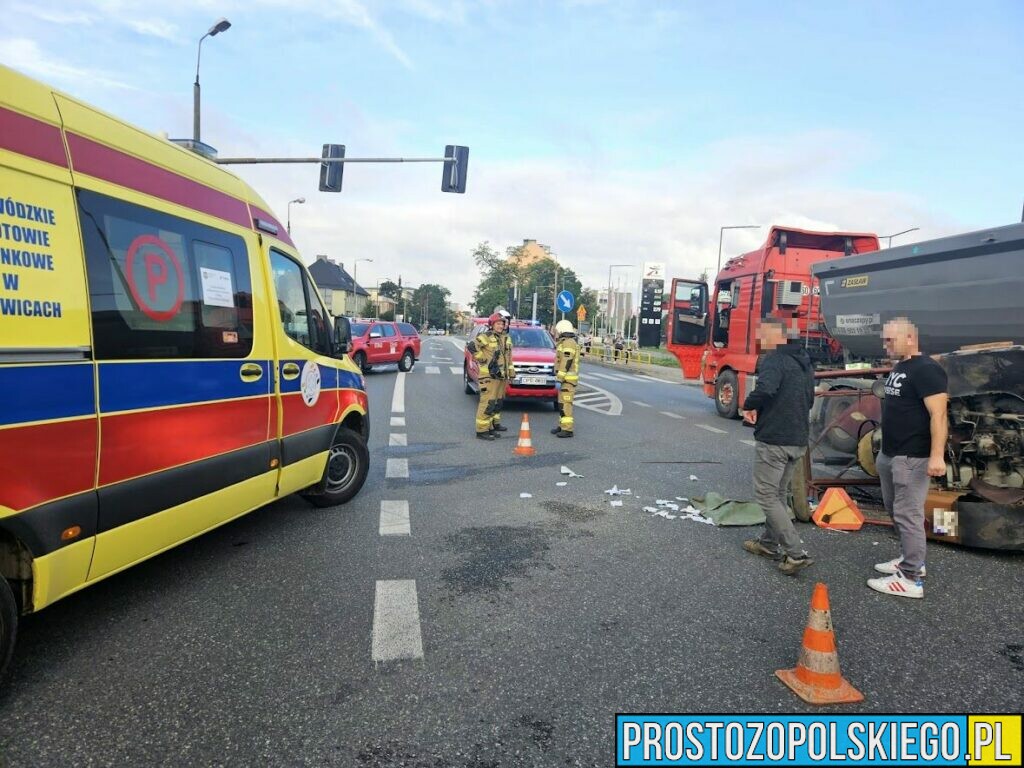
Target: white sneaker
(897, 584)
(891, 566)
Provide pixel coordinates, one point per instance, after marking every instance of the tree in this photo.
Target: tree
(498, 275)
(389, 315)
(390, 290)
(429, 306)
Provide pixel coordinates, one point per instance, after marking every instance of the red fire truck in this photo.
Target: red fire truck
(716, 340)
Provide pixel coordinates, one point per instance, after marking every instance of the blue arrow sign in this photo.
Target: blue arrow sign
(565, 301)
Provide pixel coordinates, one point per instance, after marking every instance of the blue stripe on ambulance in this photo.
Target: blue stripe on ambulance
(45, 392)
(130, 386)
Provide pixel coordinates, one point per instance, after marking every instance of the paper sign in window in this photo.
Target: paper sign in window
(217, 290)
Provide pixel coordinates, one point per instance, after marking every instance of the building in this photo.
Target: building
(530, 252)
(341, 293)
(383, 304)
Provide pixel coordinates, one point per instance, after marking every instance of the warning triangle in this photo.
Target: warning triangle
(837, 510)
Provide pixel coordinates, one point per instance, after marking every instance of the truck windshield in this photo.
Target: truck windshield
(531, 337)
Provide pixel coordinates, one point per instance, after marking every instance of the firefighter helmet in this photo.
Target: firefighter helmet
(494, 318)
(564, 328)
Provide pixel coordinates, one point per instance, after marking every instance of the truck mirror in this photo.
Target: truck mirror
(453, 176)
(342, 336)
(331, 173)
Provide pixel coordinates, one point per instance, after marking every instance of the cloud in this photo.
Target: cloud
(155, 28)
(25, 55)
(56, 16)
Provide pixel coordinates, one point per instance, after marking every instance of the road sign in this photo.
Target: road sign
(565, 301)
(581, 313)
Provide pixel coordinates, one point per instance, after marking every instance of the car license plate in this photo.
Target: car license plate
(541, 380)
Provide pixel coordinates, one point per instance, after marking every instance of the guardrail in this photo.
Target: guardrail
(612, 355)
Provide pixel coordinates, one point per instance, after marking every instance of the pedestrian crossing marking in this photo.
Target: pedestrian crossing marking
(433, 369)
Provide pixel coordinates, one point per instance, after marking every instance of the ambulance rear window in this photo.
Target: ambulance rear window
(163, 287)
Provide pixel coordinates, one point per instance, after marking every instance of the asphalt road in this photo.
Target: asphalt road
(500, 631)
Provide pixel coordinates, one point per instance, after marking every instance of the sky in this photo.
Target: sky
(614, 132)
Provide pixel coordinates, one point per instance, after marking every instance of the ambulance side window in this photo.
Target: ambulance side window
(162, 286)
(303, 316)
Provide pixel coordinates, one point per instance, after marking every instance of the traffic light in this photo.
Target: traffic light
(331, 173)
(453, 175)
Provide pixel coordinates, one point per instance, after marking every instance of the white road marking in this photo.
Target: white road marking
(398, 399)
(655, 378)
(397, 438)
(751, 443)
(398, 421)
(637, 402)
(455, 370)
(397, 468)
(459, 344)
(716, 430)
(433, 369)
(396, 622)
(394, 518)
(607, 404)
(670, 414)
(609, 376)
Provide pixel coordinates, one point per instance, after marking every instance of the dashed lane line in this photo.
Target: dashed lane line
(394, 518)
(716, 430)
(398, 399)
(456, 370)
(397, 438)
(397, 468)
(751, 443)
(433, 369)
(396, 622)
(670, 414)
(641, 404)
(398, 421)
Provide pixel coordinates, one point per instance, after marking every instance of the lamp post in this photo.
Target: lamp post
(300, 201)
(721, 232)
(376, 302)
(220, 25)
(355, 272)
(897, 234)
(608, 302)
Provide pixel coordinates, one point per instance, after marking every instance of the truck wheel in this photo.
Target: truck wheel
(798, 488)
(727, 393)
(8, 625)
(838, 437)
(466, 383)
(405, 364)
(360, 360)
(347, 466)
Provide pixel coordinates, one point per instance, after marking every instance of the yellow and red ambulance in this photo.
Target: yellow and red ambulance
(166, 362)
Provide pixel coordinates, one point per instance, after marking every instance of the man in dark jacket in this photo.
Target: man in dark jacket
(778, 408)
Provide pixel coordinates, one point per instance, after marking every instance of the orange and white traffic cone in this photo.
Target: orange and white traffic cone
(816, 678)
(525, 445)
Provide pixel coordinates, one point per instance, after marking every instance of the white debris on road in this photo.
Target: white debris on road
(615, 502)
(561, 484)
(566, 471)
(525, 495)
(694, 478)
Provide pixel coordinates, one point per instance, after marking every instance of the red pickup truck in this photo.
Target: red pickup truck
(533, 357)
(380, 342)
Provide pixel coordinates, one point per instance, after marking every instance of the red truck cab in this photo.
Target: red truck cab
(713, 332)
(533, 357)
(382, 342)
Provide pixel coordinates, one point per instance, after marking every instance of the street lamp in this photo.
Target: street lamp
(355, 273)
(897, 234)
(376, 302)
(721, 232)
(300, 201)
(608, 302)
(221, 25)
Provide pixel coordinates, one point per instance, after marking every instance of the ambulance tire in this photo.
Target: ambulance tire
(8, 625)
(346, 469)
(727, 387)
(405, 364)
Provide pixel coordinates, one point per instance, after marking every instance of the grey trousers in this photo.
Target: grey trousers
(904, 489)
(773, 471)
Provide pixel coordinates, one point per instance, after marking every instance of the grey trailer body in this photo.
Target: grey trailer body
(959, 290)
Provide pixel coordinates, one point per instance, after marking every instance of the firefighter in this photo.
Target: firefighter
(567, 364)
(507, 371)
(486, 351)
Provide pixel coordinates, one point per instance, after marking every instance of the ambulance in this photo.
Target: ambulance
(166, 362)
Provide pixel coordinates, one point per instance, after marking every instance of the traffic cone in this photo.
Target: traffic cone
(525, 445)
(816, 678)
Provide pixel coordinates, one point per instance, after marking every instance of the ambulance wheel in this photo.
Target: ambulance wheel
(8, 624)
(347, 465)
(405, 364)
(360, 360)
(727, 394)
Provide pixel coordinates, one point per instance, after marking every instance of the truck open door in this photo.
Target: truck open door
(687, 324)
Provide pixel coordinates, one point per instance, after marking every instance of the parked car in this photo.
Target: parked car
(381, 342)
(533, 357)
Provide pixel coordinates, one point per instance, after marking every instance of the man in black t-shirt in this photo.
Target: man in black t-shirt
(914, 432)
